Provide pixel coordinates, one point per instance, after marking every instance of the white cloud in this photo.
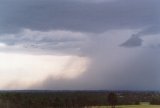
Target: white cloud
(19, 71)
(2, 45)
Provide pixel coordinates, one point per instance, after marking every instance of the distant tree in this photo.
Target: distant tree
(112, 99)
(57, 102)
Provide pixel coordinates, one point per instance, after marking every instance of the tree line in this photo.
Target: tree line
(74, 99)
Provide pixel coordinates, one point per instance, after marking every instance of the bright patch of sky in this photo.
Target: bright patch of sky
(19, 71)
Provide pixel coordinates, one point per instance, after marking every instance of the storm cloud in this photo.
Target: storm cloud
(134, 41)
(118, 38)
(79, 16)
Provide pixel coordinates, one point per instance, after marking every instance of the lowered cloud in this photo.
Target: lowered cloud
(134, 41)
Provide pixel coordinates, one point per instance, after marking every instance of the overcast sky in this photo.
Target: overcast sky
(80, 44)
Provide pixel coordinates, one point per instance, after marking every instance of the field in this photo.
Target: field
(133, 106)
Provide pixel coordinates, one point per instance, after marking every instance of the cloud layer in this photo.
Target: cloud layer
(79, 16)
(55, 41)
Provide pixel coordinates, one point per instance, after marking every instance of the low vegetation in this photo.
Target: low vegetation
(77, 99)
(131, 106)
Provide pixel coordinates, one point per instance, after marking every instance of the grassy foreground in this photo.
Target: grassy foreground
(132, 106)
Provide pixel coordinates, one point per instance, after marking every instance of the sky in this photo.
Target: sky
(79, 45)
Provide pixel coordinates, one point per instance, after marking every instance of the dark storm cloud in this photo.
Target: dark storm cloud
(134, 41)
(79, 16)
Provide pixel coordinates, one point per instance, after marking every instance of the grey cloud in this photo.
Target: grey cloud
(113, 68)
(79, 16)
(155, 29)
(134, 41)
(137, 73)
(49, 41)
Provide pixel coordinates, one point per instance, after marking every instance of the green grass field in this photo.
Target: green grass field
(132, 106)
